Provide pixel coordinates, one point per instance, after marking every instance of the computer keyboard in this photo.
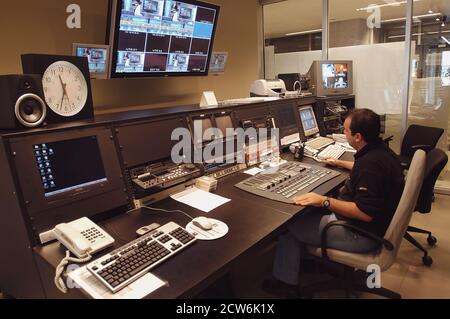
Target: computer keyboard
(124, 265)
(331, 151)
(319, 142)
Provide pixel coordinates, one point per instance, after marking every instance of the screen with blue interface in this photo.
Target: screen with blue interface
(308, 119)
(97, 58)
(158, 37)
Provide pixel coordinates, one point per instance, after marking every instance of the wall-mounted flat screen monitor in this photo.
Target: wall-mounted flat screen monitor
(171, 38)
(98, 58)
(331, 78)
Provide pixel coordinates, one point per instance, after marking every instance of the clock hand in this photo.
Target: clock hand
(64, 86)
(64, 89)
(67, 94)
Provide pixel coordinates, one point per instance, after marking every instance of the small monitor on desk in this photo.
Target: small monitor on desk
(331, 77)
(224, 122)
(308, 120)
(200, 125)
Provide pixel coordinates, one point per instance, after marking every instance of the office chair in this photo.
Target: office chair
(355, 264)
(436, 161)
(418, 137)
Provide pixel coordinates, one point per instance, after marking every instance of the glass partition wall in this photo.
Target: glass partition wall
(373, 34)
(360, 31)
(293, 36)
(430, 76)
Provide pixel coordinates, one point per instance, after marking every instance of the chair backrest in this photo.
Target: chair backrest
(436, 161)
(420, 135)
(405, 208)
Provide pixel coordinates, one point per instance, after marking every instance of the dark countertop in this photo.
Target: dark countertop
(252, 220)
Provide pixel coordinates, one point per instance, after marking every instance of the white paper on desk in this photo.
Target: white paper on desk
(253, 171)
(200, 199)
(94, 288)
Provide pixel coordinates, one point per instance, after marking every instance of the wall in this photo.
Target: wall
(348, 33)
(31, 26)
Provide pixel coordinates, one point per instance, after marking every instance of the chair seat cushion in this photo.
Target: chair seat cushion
(359, 261)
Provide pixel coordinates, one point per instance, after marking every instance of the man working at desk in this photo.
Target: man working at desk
(368, 199)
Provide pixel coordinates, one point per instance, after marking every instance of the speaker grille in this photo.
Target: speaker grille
(30, 110)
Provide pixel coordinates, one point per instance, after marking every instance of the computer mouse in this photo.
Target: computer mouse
(202, 222)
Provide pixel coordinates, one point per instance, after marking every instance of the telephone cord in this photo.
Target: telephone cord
(59, 282)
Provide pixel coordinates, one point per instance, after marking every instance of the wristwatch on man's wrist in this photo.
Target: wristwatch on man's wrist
(326, 203)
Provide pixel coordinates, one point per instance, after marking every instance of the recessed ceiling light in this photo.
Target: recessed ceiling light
(430, 11)
(438, 19)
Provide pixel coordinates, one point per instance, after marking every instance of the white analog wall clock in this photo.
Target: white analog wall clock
(66, 85)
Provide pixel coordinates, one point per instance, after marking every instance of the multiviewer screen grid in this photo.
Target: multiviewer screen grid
(164, 36)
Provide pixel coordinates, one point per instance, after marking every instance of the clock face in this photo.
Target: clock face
(65, 88)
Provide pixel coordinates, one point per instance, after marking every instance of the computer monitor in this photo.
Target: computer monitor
(331, 78)
(59, 165)
(224, 122)
(204, 123)
(218, 62)
(98, 58)
(308, 120)
(68, 175)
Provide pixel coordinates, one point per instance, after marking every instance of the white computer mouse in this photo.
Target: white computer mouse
(202, 222)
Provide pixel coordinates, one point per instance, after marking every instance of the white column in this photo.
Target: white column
(407, 67)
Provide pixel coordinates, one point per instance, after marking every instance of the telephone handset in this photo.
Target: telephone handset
(82, 237)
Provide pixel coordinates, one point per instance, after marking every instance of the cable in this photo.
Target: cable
(299, 88)
(59, 282)
(167, 211)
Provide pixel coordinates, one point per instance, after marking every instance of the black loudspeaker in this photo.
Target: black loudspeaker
(21, 101)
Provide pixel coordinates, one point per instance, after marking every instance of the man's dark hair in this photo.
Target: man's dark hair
(365, 122)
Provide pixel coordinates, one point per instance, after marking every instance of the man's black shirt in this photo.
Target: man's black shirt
(375, 185)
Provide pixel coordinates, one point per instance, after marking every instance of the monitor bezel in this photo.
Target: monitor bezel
(114, 29)
(312, 131)
(318, 79)
(95, 75)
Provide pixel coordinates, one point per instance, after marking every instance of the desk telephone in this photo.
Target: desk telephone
(82, 237)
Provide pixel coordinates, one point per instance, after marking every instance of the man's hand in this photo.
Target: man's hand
(310, 199)
(331, 161)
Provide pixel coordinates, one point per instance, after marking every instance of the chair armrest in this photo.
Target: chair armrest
(356, 229)
(425, 147)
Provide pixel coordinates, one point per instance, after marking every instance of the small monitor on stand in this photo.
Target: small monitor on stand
(309, 122)
(98, 58)
(217, 64)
